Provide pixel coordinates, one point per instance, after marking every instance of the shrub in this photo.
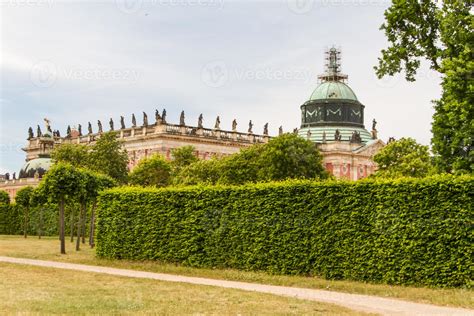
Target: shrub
(408, 231)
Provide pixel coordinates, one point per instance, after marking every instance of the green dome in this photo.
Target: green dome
(333, 90)
(40, 165)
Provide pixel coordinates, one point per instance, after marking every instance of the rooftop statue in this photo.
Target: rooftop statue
(163, 116)
(250, 127)
(308, 134)
(181, 119)
(374, 130)
(89, 127)
(337, 135)
(200, 121)
(374, 124)
(122, 122)
(79, 129)
(111, 124)
(280, 130)
(68, 131)
(295, 131)
(99, 124)
(38, 131)
(47, 123)
(265, 129)
(30, 133)
(134, 120)
(355, 138)
(145, 119)
(234, 125)
(157, 117)
(7, 176)
(218, 123)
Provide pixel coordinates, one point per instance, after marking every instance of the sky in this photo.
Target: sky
(79, 61)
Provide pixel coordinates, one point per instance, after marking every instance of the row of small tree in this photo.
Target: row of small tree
(62, 184)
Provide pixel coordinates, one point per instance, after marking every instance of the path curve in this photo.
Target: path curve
(364, 303)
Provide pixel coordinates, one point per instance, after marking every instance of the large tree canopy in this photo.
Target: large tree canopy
(151, 171)
(442, 33)
(403, 158)
(285, 157)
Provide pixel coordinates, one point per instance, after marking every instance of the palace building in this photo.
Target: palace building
(332, 118)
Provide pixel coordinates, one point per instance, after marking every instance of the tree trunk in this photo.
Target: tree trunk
(25, 224)
(79, 229)
(62, 226)
(71, 224)
(92, 228)
(40, 227)
(83, 221)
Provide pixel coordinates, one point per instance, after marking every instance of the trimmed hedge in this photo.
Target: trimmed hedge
(408, 231)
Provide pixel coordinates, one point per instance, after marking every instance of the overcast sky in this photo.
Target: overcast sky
(81, 61)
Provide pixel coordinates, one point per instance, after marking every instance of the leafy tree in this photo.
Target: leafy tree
(442, 33)
(4, 197)
(75, 154)
(151, 171)
(200, 172)
(108, 156)
(23, 198)
(182, 157)
(62, 183)
(403, 158)
(39, 199)
(285, 157)
(290, 157)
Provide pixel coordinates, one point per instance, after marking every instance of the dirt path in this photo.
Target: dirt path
(365, 303)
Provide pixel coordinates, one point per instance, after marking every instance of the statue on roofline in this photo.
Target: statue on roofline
(250, 127)
(337, 135)
(200, 121)
(181, 119)
(217, 125)
(234, 125)
(99, 124)
(145, 119)
(38, 131)
(30, 133)
(79, 129)
(47, 123)
(163, 116)
(111, 124)
(265, 129)
(308, 134)
(134, 120)
(157, 117)
(280, 130)
(89, 127)
(68, 131)
(122, 122)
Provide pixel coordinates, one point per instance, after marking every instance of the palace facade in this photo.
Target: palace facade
(332, 118)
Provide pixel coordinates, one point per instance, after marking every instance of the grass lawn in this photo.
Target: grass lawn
(48, 249)
(37, 290)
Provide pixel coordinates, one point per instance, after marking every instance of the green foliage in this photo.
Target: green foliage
(151, 171)
(75, 154)
(285, 157)
(108, 156)
(441, 32)
(407, 231)
(62, 181)
(23, 196)
(403, 158)
(4, 197)
(182, 157)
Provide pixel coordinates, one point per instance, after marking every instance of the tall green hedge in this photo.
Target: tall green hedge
(406, 231)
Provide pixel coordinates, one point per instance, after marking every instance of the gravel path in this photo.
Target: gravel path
(364, 303)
